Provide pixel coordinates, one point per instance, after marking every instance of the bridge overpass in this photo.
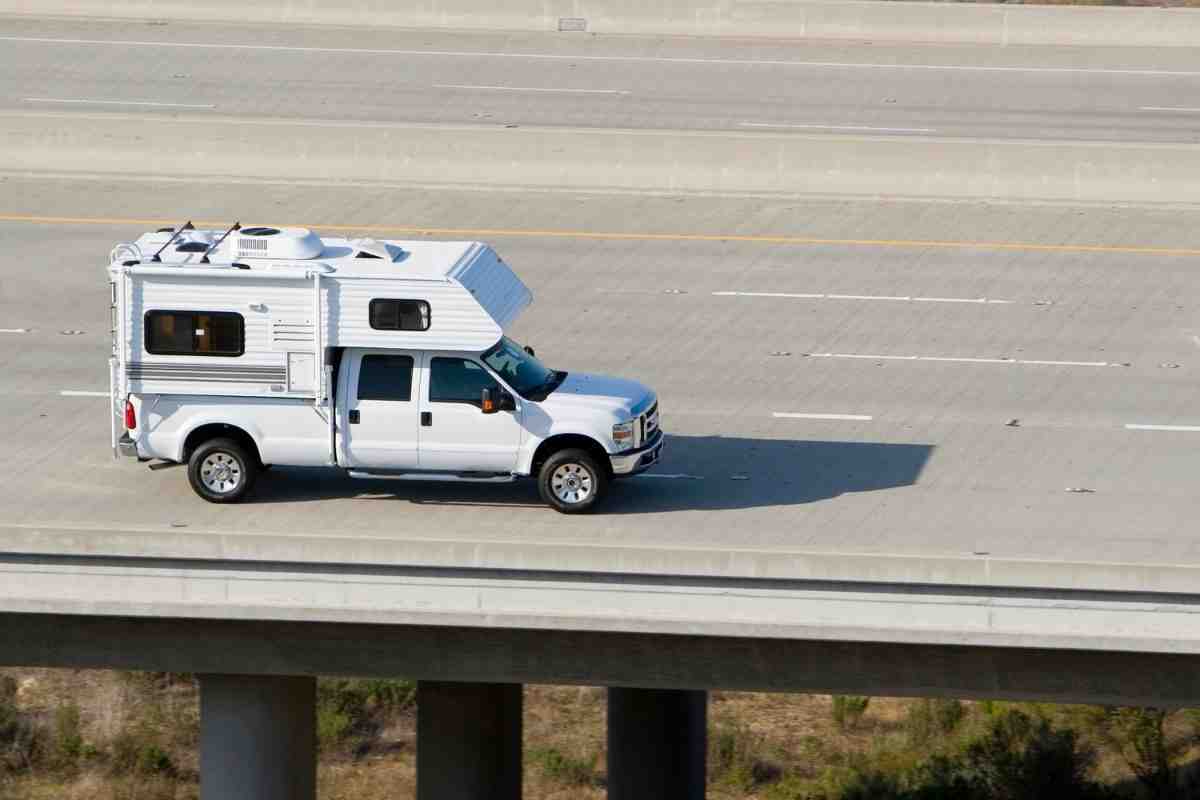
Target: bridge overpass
(928, 437)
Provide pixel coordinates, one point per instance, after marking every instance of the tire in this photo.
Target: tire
(221, 471)
(571, 482)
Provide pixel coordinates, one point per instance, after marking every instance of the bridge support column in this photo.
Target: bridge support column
(657, 744)
(468, 741)
(258, 738)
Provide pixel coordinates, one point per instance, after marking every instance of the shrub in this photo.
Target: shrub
(929, 719)
(346, 707)
(136, 750)
(68, 736)
(333, 727)
(22, 743)
(736, 759)
(1140, 736)
(1020, 758)
(564, 769)
(848, 710)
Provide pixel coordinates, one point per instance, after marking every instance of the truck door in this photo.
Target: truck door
(455, 433)
(382, 410)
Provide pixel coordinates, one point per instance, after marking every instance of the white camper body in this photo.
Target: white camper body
(386, 358)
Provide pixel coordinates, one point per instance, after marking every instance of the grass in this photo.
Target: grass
(90, 735)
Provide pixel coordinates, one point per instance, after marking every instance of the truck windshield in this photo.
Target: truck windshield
(521, 371)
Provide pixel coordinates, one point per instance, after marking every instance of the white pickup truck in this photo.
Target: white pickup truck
(268, 346)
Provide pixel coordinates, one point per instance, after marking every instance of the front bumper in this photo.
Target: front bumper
(631, 462)
(127, 446)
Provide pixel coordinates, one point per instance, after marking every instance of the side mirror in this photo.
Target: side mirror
(529, 350)
(488, 402)
(507, 401)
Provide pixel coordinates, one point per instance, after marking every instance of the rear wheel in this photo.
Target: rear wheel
(571, 481)
(221, 471)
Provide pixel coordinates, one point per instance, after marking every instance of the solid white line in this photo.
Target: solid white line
(115, 102)
(1168, 108)
(14, 330)
(76, 393)
(525, 89)
(966, 360)
(1188, 428)
(900, 298)
(560, 57)
(837, 127)
(843, 417)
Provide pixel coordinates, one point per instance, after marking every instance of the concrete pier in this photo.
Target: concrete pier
(257, 737)
(657, 743)
(468, 741)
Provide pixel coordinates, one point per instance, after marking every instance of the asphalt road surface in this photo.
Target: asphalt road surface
(320, 74)
(907, 378)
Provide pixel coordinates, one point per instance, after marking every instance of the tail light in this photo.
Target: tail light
(130, 416)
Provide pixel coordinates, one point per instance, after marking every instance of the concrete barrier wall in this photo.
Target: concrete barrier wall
(812, 19)
(750, 162)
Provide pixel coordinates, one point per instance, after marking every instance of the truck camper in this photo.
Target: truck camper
(255, 346)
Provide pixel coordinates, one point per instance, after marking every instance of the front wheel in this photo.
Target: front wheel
(571, 481)
(221, 471)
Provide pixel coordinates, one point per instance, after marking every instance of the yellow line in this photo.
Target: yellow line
(663, 237)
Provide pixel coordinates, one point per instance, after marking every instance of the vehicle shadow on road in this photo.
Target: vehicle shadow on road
(713, 473)
(698, 473)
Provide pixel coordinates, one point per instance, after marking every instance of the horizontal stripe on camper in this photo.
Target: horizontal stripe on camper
(139, 371)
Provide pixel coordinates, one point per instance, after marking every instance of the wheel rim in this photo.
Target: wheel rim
(572, 483)
(221, 472)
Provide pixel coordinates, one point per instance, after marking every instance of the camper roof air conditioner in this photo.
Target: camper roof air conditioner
(280, 243)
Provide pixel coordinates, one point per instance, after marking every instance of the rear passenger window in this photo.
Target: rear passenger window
(399, 315)
(458, 380)
(198, 333)
(383, 377)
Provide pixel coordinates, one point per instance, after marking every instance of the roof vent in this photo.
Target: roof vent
(373, 248)
(281, 243)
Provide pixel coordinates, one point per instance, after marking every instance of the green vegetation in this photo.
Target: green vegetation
(564, 769)
(67, 735)
(848, 710)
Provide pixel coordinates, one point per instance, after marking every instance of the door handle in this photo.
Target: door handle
(354, 416)
(427, 418)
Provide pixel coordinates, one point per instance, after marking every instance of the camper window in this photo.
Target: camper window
(199, 333)
(385, 378)
(399, 315)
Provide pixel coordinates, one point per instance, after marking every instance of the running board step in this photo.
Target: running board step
(451, 477)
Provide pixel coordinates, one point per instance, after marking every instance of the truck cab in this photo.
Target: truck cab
(492, 416)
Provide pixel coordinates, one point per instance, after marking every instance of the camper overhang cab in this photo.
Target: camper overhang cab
(235, 350)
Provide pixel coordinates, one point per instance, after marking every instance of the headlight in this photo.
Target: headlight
(623, 433)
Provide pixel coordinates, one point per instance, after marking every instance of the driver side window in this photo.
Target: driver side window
(458, 380)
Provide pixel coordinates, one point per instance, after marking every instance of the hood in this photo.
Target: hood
(625, 399)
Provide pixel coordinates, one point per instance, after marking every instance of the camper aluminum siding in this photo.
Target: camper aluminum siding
(495, 287)
(278, 318)
(470, 304)
(469, 307)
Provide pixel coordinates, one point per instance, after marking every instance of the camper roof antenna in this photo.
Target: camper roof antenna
(186, 227)
(237, 226)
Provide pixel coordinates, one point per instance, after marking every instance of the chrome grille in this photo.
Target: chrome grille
(650, 423)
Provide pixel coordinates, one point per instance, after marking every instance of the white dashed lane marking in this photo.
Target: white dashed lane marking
(966, 360)
(838, 417)
(893, 298)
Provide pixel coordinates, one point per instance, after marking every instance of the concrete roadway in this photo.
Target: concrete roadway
(907, 456)
(1095, 94)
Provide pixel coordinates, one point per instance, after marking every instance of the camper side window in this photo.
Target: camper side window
(399, 315)
(195, 333)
